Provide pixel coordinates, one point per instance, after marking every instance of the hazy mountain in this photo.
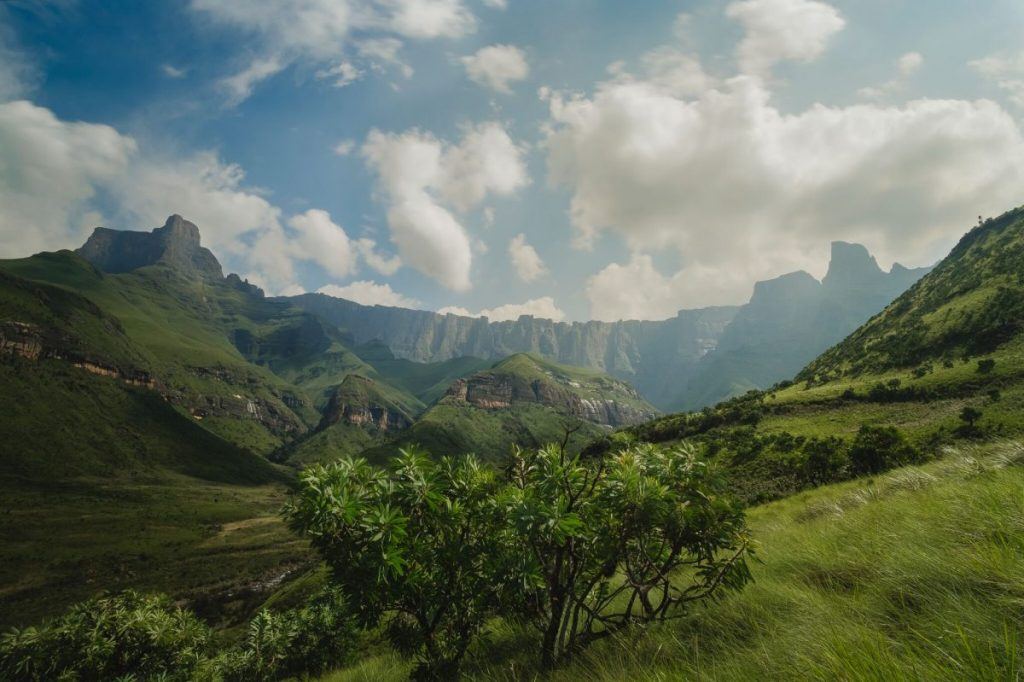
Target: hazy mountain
(694, 359)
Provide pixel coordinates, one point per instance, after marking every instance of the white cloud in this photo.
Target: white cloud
(497, 66)
(906, 66)
(780, 30)
(527, 262)
(49, 170)
(172, 71)
(385, 265)
(382, 53)
(238, 87)
(17, 71)
(343, 73)
(734, 185)
(496, 4)
(370, 293)
(1006, 71)
(637, 291)
(321, 240)
(344, 147)
(543, 308)
(421, 176)
(325, 31)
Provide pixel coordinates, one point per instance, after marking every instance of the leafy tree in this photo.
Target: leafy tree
(127, 635)
(877, 448)
(630, 537)
(824, 460)
(415, 548)
(970, 415)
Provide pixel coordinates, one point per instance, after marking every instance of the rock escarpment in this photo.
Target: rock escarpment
(176, 244)
(358, 401)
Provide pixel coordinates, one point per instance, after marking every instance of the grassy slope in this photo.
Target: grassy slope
(105, 486)
(917, 574)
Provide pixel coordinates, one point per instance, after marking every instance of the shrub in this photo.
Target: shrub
(601, 543)
(985, 366)
(112, 636)
(823, 460)
(877, 448)
(310, 640)
(415, 548)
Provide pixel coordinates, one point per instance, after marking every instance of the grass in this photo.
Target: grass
(917, 574)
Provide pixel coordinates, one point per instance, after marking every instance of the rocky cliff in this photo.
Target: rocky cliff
(176, 244)
(651, 355)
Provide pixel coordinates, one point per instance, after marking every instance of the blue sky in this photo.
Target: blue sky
(573, 159)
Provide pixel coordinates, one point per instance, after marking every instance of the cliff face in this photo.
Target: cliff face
(651, 355)
(360, 402)
(176, 244)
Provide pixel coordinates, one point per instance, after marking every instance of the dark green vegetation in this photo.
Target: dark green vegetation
(134, 636)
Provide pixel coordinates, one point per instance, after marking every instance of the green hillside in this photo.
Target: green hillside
(916, 574)
(522, 400)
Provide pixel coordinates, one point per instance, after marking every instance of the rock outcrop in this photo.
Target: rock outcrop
(358, 401)
(176, 245)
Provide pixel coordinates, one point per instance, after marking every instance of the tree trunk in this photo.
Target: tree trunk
(549, 655)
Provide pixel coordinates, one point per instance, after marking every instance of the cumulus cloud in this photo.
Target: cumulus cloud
(172, 71)
(1006, 71)
(341, 74)
(51, 172)
(370, 293)
(906, 66)
(385, 265)
(325, 31)
(543, 308)
(497, 66)
(424, 179)
(636, 290)
(781, 30)
(734, 185)
(527, 262)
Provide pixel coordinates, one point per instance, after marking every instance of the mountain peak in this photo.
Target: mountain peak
(176, 244)
(851, 264)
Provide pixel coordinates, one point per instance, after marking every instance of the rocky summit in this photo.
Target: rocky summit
(176, 245)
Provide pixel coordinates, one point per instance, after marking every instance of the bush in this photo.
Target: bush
(309, 640)
(112, 636)
(878, 448)
(824, 460)
(600, 544)
(985, 366)
(415, 548)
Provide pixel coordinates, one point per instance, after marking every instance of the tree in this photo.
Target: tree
(877, 448)
(824, 460)
(970, 415)
(415, 547)
(985, 366)
(632, 537)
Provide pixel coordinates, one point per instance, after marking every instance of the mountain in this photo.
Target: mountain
(654, 356)
(971, 304)
(695, 359)
(176, 244)
(522, 400)
(791, 319)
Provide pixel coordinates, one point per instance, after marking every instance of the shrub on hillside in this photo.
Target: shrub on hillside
(309, 640)
(600, 544)
(823, 460)
(127, 635)
(878, 448)
(414, 548)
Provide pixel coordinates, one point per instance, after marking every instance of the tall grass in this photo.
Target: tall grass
(918, 574)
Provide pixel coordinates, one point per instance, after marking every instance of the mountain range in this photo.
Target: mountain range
(694, 359)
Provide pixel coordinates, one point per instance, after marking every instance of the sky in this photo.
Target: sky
(569, 159)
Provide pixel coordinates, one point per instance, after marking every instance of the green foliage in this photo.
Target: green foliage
(126, 635)
(415, 547)
(824, 460)
(986, 365)
(877, 448)
(310, 640)
(603, 542)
